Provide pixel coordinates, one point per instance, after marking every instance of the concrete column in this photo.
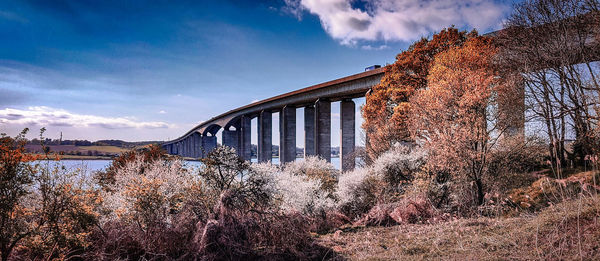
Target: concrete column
(197, 145)
(323, 129)
(208, 144)
(187, 146)
(265, 132)
(245, 136)
(230, 139)
(194, 146)
(287, 135)
(309, 131)
(179, 150)
(347, 134)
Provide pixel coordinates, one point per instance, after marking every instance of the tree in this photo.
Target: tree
(552, 44)
(42, 211)
(387, 107)
(456, 116)
(16, 177)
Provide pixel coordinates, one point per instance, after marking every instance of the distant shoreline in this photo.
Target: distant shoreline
(73, 157)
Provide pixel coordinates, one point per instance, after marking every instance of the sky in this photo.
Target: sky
(151, 70)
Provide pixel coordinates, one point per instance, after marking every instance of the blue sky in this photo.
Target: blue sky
(150, 70)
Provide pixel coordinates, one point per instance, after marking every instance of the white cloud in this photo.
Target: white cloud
(162, 112)
(398, 20)
(46, 116)
(374, 48)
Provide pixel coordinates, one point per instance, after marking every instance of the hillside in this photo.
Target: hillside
(569, 230)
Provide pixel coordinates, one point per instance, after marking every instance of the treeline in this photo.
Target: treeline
(116, 143)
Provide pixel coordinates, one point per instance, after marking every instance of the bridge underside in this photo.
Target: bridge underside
(317, 135)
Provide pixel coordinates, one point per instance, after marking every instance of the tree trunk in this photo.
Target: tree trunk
(479, 185)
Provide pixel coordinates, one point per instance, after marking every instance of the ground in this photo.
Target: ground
(569, 230)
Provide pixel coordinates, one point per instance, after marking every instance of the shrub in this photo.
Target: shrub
(382, 182)
(399, 165)
(358, 191)
(547, 191)
(299, 193)
(147, 193)
(45, 212)
(314, 167)
(224, 170)
(250, 235)
(148, 155)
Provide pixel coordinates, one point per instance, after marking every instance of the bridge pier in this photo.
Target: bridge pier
(347, 134)
(182, 148)
(309, 131)
(287, 135)
(323, 129)
(189, 147)
(197, 145)
(265, 132)
(186, 144)
(208, 143)
(230, 138)
(245, 138)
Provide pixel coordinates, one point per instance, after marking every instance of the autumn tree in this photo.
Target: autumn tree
(43, 212)
(16, 177)
(387, 108)
(456, 116)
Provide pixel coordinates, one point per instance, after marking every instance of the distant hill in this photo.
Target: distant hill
(124, 144)
(116, 143)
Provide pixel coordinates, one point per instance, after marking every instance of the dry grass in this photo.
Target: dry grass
(569, 230)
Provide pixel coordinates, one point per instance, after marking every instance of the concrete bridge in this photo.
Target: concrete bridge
(316, 101)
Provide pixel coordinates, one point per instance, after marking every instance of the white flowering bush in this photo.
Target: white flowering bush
(147, 192)
(314, 167)
(359, 190)
(302, 194)
(399, 165)
(349, 183)
(298, 187)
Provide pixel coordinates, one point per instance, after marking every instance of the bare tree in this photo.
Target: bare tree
(553, 44)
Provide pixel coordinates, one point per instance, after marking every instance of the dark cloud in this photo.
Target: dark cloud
(359, 25)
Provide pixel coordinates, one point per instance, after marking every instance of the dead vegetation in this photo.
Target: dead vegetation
(568, 230)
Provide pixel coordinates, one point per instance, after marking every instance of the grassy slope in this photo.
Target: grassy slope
(569, 230)
(108, 149)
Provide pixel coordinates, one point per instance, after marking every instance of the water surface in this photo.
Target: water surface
(96, 165)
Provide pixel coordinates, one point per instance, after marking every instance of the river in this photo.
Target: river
(95, 165)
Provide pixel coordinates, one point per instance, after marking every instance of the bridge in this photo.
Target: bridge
(316, 101)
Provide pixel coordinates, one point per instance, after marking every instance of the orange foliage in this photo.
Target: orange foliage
(387, 108)
(12, 152)
(455, 116)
